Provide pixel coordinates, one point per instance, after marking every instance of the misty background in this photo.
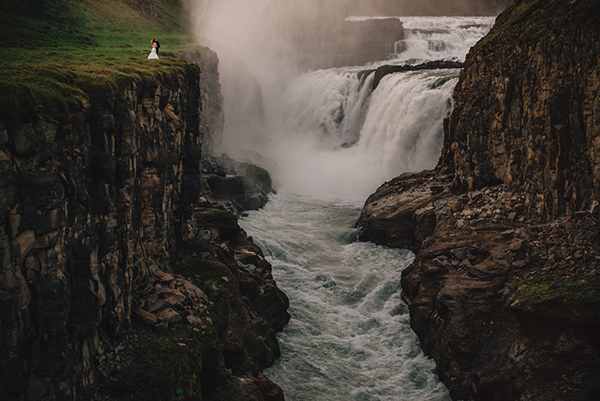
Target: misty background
(265, 45)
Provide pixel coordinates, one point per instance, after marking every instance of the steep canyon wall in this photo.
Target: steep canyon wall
(89, 206)
(504, 290)
(528, 110)
(98, 207)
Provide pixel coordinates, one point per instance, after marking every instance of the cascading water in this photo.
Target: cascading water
(340, 138)
(330, 141)
(440, 38)
(436, 38)
(328, 132)
(349, 337)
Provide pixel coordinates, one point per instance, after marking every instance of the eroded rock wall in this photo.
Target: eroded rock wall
(527, 107)
(89, 204)
(504, 290)
(97, 208)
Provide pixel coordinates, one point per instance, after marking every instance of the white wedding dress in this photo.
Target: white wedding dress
(153, 54)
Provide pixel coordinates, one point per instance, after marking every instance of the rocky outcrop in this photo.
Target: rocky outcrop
(89, 207)
(219, 304)
(238, 186)
(384, 70)
(504, 289)
(502, 303)
(526, 109)
(400, 213)
(99, 207)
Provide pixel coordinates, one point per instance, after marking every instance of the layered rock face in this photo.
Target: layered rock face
(212, 118)
(97, 206)
(504, 290)
(527, 107)
(504, 304)
(89, 207)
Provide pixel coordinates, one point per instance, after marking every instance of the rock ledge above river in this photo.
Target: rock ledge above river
(505, 306)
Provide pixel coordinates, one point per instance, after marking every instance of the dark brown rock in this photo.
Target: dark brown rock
(482, 340)
(517, 99)
(96, 206)
(521, 310)
(147, 317)
(382, 71)
(397, 214)
(238, 186)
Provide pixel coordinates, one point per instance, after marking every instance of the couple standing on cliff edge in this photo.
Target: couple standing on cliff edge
(154, 52)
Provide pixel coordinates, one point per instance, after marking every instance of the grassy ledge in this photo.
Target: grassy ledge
(61, 54)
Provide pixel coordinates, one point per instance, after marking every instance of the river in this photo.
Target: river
(334, 143)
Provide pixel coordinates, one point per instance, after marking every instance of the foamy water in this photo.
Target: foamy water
(329, 141)
(349, 337)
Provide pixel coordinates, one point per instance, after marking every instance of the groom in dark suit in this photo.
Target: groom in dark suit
(157, 45)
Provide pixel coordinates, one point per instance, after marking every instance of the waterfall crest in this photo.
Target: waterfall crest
(325, 131)
(329, 140)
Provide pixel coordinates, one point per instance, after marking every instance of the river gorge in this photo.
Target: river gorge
(349, 337)
(300, 201)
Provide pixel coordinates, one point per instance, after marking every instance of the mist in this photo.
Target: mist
(264, 46)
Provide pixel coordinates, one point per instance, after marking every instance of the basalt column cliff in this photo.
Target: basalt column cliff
(504, 292)
(104, 228)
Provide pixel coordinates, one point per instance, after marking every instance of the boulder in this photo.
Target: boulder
(238, 186)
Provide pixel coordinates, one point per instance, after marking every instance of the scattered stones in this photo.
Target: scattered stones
(456, 206)
(156, 306)
(147, 317)
(162, 276)
(169, 305)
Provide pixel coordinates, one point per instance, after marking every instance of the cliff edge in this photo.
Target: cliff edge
(111, 260)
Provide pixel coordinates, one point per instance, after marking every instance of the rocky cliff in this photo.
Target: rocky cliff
(104, 229)
(504, 289)
(527, 108)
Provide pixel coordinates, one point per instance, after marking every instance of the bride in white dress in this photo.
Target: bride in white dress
(153, 54)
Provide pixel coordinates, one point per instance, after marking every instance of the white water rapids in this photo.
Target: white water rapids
(329, 142)
(349, 337)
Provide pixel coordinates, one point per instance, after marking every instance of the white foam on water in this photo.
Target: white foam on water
(329, 141)
(349, 337)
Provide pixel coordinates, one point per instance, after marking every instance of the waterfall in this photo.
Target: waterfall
(340, 137)
(439, 38)
(326, 131)
(329, 140)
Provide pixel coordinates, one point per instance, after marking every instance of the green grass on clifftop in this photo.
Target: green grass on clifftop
(59, 53)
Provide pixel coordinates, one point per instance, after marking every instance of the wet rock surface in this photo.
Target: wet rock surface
(237, 186)
(384, 70)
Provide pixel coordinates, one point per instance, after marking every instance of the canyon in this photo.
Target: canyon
(126, 275)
